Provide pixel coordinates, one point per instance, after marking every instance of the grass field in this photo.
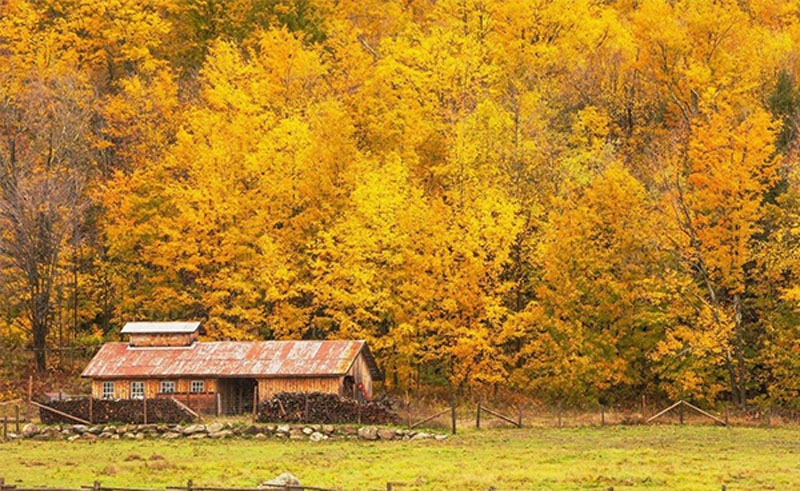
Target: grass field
(622, 457)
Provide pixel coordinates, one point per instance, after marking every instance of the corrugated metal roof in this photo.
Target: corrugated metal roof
(160, 327)
(256, 359)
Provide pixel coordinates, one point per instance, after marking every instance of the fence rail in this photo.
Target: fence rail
(190, 486)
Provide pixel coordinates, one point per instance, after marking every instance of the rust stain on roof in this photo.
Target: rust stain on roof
(256, 359)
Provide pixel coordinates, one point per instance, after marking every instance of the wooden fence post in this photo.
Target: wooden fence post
(680, 411)
(96, 486)
(726, 413)
(453, 412)
(16, 416)
(644, 407)
(558, 409)
(478, 415)
(30, 399)
(219, 403)
(519, 417)
(144, 408)
(602, 415)
(255, 405)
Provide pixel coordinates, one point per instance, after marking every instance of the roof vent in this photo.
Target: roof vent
(160, 334)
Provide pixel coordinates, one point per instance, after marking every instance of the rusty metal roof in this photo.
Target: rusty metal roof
(160, 327)
(251, 359)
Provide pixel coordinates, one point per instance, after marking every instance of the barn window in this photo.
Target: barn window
(108, 390)
(167, 387)
(137, 389)
(198, 386)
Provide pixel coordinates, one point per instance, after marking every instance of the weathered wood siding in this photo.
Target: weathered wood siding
(267, 387)
(204, 402)
(360, 372)
(163, 339)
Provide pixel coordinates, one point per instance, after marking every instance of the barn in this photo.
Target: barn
(166, 359)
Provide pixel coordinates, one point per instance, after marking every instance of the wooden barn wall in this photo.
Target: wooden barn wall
(361, 374)
(267, 387)
(155, 340)
(204, 402)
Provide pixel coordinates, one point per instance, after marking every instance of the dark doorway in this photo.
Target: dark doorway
(237, 395)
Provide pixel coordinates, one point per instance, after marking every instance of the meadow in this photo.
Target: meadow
(623, 457)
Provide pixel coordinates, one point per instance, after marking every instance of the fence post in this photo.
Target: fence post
(680, 411)
(96, 486)
(558, 409)
(255, 405)
(602, 415)
(388, 486)
(726, 413)
(30, 399)
(189, 484)
(16, 416)
(5, 428)
(144, 408)
(478, 415)
(218, 400)
(644, 407)
(519, 417)
(453, 411)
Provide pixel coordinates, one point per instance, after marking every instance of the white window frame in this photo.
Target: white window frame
(197, 386)
(108, 390)
(137, 389)
(167, 387)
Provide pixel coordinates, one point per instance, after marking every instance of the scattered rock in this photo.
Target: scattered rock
(307, 431)
(30, 430)
(251, 430)
(89, 437)
(197, 436)
(368, 433)
(421, 436)
(386, 434)
(283, 429)
(285, 479)
(220, 434)
(259, 436)
(194, 429)
(215, 427)
(170, 435)
(440, 437)
(80, 429)
(318, 437)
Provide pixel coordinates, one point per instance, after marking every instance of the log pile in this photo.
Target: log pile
(117, 411)
(317, 407)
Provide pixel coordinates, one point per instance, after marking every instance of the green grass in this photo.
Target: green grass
(648, 457)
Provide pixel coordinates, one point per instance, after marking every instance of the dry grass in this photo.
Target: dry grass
(623, 457)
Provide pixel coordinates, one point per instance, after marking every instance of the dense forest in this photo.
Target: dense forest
(580, 200)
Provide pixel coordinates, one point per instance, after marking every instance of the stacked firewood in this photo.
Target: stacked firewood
(118, 411)
(317, 407)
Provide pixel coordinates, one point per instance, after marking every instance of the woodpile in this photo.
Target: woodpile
(117, 411)
(317, 407)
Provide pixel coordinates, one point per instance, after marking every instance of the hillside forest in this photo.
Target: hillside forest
(577, 200)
